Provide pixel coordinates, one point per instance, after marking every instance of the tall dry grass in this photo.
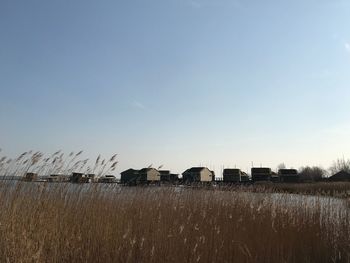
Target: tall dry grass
(106, 223)
(333, 189)
(56, 163)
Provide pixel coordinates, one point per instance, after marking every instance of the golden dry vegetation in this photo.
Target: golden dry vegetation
(43, 222)
(333, 189)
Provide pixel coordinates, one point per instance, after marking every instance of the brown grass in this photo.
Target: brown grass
(107, 223)
(333, 189)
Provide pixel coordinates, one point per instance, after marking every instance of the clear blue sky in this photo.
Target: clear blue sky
(177, 82)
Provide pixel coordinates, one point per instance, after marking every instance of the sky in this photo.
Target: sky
(178, 83)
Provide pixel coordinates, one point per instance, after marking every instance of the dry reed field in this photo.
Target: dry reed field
(42, 222)
(333, 189)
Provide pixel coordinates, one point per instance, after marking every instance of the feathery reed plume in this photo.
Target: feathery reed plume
(111, 168)
(103, 165)
(59, 164)
(21, 156)
(75, 165)
(113, 157)
(68, 168)
(56, 153)
(114, 165)
(36, 158)
(83, 164)
(96, 163)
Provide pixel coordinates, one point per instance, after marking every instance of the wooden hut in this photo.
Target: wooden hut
(145, 175)
(231, 175)
(212, 176)
(341, 176)
(261, 174)
(288, 175)
(30, 177)
(148, 175)
(107, 179)
(79, 178)
(167, 176)
(244, 178)
(58, 178)
(274, 177)
(197, 174)
(92, 178)
(129, 176)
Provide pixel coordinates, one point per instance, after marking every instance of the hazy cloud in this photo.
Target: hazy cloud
(138, 105)
(347, 46)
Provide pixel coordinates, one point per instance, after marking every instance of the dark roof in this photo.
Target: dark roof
(129, 170)
(144, 170)
(261, 169)
(195, 170)
(342, 175)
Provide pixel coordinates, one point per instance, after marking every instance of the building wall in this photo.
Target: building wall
(288, 175)
(261, 174)
(191, 177)
(206, 175)
(340, 177)
(232, 175)
(153, 175)
(129, 177)
(244, 178)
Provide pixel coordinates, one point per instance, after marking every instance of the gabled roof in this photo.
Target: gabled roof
(194, 170)
(342, 175)
(144, 170)
(129, 170)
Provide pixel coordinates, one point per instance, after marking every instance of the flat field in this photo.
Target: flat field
(107, 223)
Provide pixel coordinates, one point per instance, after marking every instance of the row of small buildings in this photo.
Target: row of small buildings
(192, 175)
(205, 175)
(73, 178)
